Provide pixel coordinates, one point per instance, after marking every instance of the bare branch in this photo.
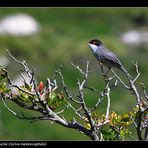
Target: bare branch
(108, 102)
(103, 123)
(146, 134)
(13, 57)
(30, 74)
(92, 89)
(12, 84)
(40, 101)
(100, 99)
(61, 111)
(127, 87)
(8, 107)
(79, 109)
(81, 97)
(132, 85)
(66, 89)
(135, 91)
(23, 105)
(98, 103)
(137, 70)
(76, 112)
(22, 75)
(51, 86)
(23, 63)
(56, 72)
(138, 128)
(143, 86)
(41, 104)
(77, 67)
(33, 119)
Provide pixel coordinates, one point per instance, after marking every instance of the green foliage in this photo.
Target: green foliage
(4, 87)
(25, 98)
(55, 100)
(2, 76)
(118, 126)
(109, 133)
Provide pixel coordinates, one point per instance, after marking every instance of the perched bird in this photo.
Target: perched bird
(104, 56)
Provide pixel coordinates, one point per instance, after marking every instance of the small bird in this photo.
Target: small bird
(105, 57)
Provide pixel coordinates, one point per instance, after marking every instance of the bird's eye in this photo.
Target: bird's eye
(94, 42)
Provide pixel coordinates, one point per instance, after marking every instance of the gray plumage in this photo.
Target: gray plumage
(105, 56)
(108, 58)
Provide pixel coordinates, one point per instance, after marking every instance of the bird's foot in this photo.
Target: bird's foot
(105, 77)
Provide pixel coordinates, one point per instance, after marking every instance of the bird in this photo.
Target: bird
(105, 56)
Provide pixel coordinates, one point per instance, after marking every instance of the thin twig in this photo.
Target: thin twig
(61, 111)
(56, 72)
(76, 112)
(127, 87)
(8, 107)
(66, 89)
(132, 85)
(13, 57)
(138, 128)
(108, 103)
(137, 70)
(16, 86)
(77, 67)
(81, 97)
(143, 86)
(98, 103)
(33, 119)
(92, 89)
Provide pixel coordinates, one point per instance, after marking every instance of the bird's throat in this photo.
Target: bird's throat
(93, 47)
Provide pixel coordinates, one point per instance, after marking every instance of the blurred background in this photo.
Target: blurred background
(49, 37)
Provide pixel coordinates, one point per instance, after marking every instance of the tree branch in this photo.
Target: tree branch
(16, 86)
(90, 126)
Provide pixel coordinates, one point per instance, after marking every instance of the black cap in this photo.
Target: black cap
(96, 42)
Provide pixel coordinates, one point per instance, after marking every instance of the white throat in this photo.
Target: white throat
(93, 47)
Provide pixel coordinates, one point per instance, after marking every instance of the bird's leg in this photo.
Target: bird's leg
(107, 71)
(102, 70)
(105, 75)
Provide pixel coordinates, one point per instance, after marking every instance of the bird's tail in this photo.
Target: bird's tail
(125, 71)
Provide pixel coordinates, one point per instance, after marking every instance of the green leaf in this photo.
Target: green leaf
(106, 130)
(4, 88)
(55, 100)
(25, 98)
(2, 74)
(27, 86)
(2, 77)
(52, 95)
(109, 133)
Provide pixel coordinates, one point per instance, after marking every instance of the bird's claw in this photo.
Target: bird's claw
(104, 76)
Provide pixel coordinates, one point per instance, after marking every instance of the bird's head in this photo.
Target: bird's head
(94, 44)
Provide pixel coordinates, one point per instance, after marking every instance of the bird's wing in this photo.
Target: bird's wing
(111, 57)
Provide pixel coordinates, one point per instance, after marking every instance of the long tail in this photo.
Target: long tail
(125, 71)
